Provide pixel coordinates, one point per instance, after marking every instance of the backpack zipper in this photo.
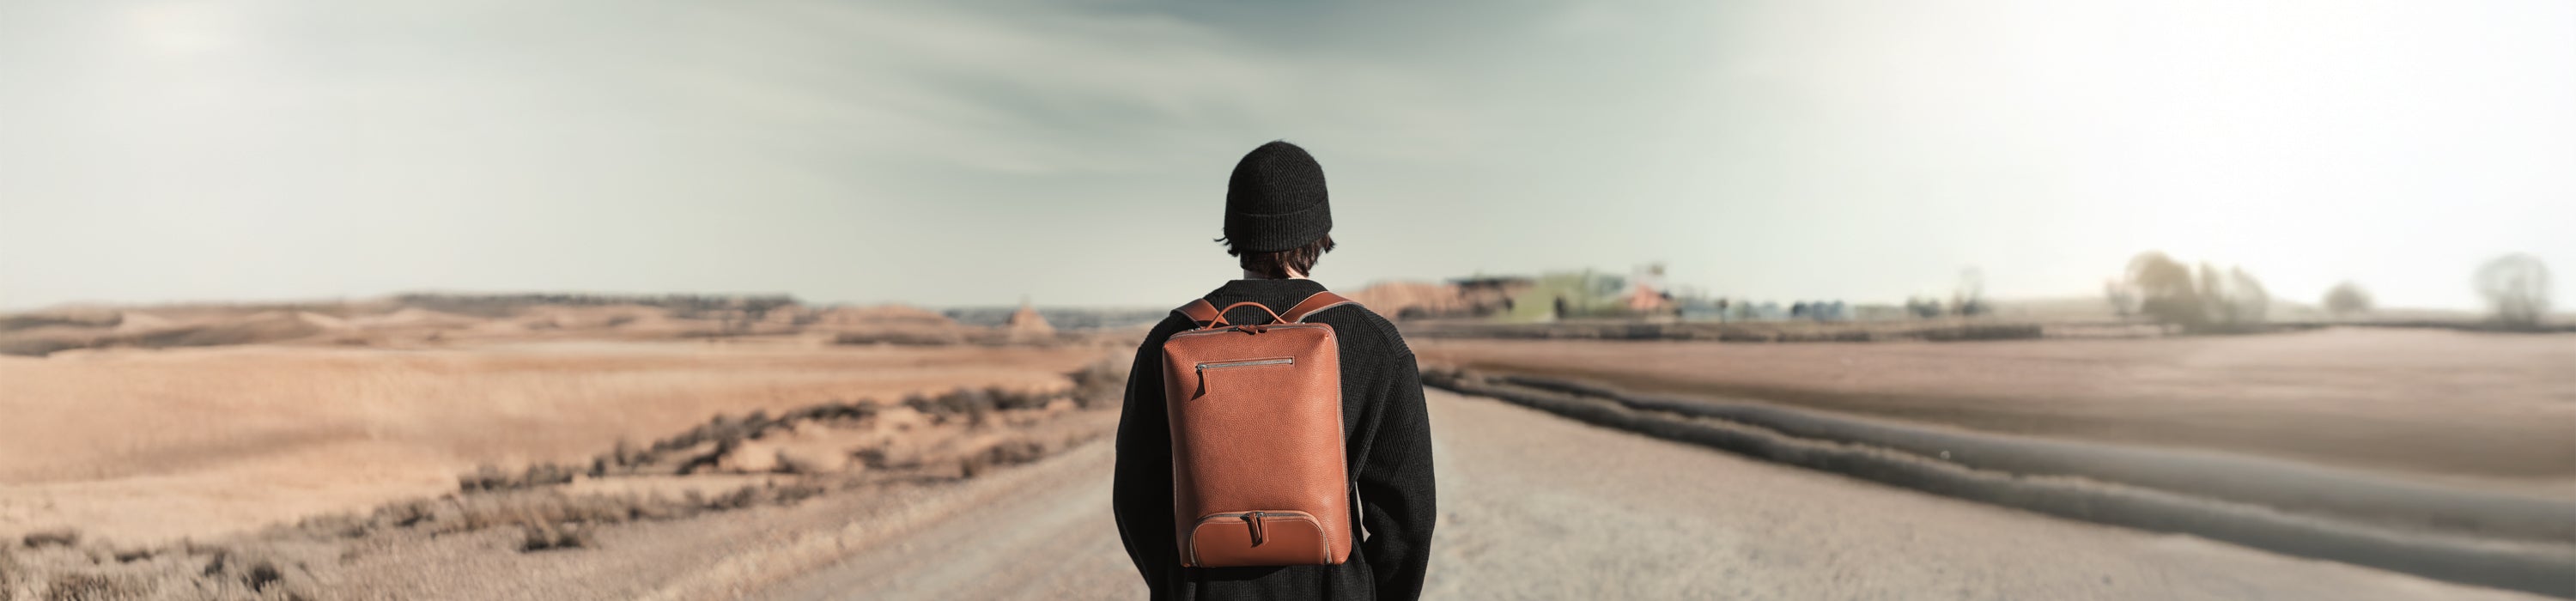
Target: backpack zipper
(1204, 367)
(1252, 363)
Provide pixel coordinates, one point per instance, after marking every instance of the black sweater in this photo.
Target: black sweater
(1387, 433)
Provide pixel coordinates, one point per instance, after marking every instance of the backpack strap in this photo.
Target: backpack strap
(1319, 302)
(1206, 313)
(1201, 311)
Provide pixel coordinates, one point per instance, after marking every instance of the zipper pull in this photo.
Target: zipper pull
(1202, 383)
(1253, 521)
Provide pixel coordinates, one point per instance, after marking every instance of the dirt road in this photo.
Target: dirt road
(1537, 507)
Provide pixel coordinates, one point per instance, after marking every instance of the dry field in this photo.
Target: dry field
(2493, 411)
(148, 445)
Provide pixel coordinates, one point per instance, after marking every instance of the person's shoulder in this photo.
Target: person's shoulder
(1173, 323)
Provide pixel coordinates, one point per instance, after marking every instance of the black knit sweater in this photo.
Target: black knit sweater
(1387, 433)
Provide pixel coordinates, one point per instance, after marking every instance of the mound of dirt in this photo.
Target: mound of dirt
(1027, 327)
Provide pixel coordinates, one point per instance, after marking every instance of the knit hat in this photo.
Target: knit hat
(1276, 200)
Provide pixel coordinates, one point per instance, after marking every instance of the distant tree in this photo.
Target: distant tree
(2166, 291)
(1926, 308)
(2209, 300)
(2123, 297)
(2517, 288)
(2236, 299)
(1969, 299)
(2347, 299)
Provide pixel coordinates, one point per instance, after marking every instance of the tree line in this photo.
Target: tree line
(2210, 299)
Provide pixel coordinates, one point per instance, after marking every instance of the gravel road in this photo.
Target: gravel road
(1537, 507)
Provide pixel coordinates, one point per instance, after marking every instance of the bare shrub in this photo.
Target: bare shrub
(1000, 455)
(96, 587)
(262, 575)
(1969, 299)
(2516, 287)
(483, 478)
(833, 410)
(1008, 399)
(741, 498)
(547, 474)
(711, 459)
(872, 457)
(405, 514)
(487, 478)
(341, 525)
(796, 493)
(1100, 384)
(2123, 297)
(542, 537)
(59, 537)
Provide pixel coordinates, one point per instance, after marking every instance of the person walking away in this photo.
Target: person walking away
(1278, 224)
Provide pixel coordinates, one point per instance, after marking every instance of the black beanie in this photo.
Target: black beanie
(1276, 200)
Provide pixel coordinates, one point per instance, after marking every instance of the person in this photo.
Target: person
(1278, 223)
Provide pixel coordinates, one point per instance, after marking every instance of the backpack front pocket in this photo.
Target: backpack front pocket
(1259, 538)
(1204, 368)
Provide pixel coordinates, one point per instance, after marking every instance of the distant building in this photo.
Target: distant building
(1486, 296)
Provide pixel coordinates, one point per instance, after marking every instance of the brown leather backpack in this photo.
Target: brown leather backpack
(1257, 460)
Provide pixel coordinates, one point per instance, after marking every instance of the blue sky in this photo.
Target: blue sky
(1075, 153)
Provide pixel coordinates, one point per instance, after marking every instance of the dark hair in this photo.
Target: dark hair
(1278, 264)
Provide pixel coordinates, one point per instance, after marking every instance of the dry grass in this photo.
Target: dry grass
(9, 570)
(96, 587)
(144, 445)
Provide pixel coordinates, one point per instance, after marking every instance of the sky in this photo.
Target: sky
(1075, 153)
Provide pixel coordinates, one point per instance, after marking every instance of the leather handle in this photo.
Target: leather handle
(1220, 313)
(1207, 315)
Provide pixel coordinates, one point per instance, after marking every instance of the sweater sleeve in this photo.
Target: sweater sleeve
(1396, 486)
(1142, 491)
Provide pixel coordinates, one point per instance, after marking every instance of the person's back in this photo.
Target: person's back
(1278, 223)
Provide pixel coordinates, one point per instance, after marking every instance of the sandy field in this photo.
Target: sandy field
(590, 453)
(2485, 410)
(141, 445)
